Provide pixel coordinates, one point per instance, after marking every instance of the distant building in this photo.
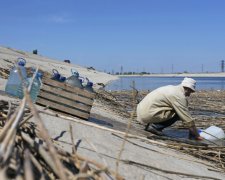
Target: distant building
(35, 51)
(222, 66)
(67, 61)
(121, 70)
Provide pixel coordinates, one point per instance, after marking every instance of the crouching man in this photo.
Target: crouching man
(165, 105)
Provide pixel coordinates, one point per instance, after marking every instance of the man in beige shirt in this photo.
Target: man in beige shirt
(164, 106)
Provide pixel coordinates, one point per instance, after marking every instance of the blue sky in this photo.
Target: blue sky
(140, 35)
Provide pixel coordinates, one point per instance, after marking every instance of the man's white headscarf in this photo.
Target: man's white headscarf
(189, 83)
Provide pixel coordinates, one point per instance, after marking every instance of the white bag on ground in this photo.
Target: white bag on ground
(212, 133)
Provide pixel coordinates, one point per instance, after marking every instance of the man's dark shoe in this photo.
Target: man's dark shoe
(152, 130)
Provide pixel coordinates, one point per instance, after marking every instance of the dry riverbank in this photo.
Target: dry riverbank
(9, 56)
(102, 138)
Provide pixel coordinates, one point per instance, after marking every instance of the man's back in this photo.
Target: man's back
(157, 106)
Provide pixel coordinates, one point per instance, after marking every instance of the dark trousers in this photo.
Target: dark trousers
(160, 126)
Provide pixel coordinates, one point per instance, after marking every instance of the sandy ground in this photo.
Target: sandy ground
(141, 158)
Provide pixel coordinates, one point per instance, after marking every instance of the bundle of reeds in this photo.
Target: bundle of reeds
(28, 152)
(4, 73)
(214, 154)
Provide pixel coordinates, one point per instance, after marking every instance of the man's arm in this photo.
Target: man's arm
(180, 105)
(181, 108)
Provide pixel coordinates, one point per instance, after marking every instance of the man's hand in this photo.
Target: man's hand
(193, 132)
(199, 138)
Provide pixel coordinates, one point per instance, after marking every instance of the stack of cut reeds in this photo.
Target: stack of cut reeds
(4, 73)
(214, 154)
(28, 152)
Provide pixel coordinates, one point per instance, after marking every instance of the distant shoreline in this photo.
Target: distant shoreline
(222, 74)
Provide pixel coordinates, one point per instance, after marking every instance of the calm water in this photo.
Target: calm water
(150, 83)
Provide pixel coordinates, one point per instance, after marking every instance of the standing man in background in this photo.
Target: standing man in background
(164, 106)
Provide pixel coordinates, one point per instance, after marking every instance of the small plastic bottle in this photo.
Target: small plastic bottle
(15, 83)
(74, 79)
(36, 85)
(89, 86)
(57, 77)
